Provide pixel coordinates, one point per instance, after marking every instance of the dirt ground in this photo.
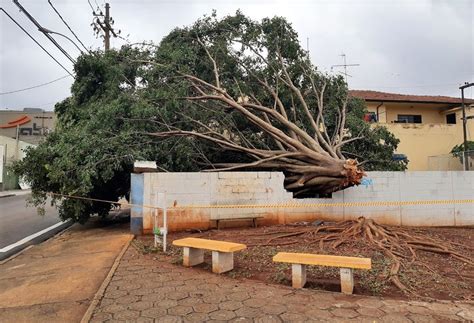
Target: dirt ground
(432, 276)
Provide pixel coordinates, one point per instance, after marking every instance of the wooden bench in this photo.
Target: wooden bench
(222, 253)
(300, 260)
(253, 218)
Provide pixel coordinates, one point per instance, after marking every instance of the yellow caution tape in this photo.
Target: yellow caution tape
(333, 204)
(280, 205)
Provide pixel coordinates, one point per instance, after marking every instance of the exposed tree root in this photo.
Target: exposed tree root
(395, 243)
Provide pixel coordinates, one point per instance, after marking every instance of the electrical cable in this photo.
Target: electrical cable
(34, 87)
(93, 11)
(37, 43)
(72, 32)
(43, 30)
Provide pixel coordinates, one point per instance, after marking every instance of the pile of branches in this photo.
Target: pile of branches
(396, 243)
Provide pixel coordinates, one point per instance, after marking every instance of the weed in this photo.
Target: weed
(176, 260)
(279, 277)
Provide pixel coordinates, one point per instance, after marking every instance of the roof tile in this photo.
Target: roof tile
(394, 97)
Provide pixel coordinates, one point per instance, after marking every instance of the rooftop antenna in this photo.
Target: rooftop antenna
(345, 65)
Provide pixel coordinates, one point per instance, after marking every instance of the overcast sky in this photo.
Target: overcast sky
(413, 47)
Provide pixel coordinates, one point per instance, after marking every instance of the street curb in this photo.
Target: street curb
(7, 195)
(100, 293)
(4, 261)
(60, 233)
(11, 254)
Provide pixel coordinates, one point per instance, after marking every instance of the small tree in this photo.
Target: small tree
(458, 150)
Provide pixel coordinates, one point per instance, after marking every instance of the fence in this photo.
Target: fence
(193, 200)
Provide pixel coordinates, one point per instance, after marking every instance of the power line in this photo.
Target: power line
(62, 35)
(35, 86)
(44, 31)
(93, 11)
(72, 32)
(23, 29)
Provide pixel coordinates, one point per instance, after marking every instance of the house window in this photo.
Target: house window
(451, 118)
(408, 118)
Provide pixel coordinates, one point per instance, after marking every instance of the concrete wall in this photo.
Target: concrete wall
(12, 150)
(266, 188)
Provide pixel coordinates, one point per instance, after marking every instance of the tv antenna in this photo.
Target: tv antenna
(345, 65)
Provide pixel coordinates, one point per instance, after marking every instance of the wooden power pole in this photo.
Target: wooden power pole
(105, 25)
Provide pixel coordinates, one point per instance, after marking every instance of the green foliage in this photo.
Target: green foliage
(91, 152)
(458, 150)
(119, 97)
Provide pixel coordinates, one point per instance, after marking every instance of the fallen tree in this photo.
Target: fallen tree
(120, 98)
(296, 115)
(311, 161)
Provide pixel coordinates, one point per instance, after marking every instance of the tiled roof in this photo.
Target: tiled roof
(394, 97)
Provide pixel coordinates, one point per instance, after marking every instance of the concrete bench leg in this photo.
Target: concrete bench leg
(298, 273)
(222, 262)
(347, 280)
(192, 256)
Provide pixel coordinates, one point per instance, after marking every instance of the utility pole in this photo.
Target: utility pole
(345, 65)
(105, 25)
(464, 124)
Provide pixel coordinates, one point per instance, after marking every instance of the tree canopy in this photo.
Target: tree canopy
(206, 87)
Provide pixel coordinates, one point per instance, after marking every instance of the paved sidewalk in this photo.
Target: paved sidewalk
(56, 280)
(146, 290)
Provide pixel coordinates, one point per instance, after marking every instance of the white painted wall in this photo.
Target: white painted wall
(266, 188)
(13, 150)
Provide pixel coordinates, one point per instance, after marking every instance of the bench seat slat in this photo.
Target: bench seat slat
(221, 246)
(323, 260)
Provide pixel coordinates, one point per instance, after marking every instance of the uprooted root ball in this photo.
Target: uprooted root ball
(396, 243)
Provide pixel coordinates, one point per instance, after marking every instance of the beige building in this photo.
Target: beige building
(18, 131)
(29, 125)
(428, 126)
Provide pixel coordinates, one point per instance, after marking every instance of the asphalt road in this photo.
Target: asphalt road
(18, 221)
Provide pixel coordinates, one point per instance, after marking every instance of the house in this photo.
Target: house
(428, 126)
